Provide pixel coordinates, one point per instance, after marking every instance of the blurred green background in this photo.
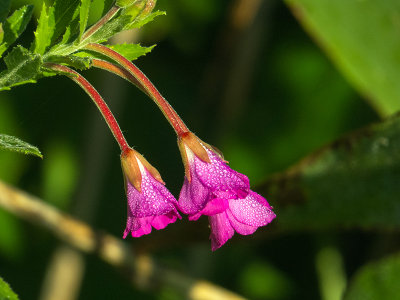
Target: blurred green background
(248, 78)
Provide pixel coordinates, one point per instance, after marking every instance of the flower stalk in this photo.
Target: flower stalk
(139, 79)
(97, 99)
(211, 188)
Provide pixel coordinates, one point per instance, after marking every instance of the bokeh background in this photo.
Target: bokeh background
(267, 89)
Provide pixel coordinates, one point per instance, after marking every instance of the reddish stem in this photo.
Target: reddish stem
(97, 99)
(138, 78)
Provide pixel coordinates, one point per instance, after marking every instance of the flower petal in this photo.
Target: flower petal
(140, 226)
(214, 207)
(153, 200)
(193, 196)
(253, 210)
(153, 206)
(160, 222)
(217, 175)
(208, 180)
(240, 227)
(221, 230)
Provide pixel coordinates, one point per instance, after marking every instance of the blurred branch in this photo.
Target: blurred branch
(140, 269)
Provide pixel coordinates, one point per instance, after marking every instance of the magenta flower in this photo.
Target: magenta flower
(213, 189)
(150, 204)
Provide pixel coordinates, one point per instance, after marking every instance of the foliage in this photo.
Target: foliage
(376, 280)
(60, 37)
(344, 185)
(366, 53)
(6, 292)
(11, 143)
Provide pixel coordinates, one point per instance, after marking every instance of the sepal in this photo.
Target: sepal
(131, 169)
(195, 145)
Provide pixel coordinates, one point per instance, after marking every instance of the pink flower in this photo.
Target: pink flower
(213, 189)
(150, 204)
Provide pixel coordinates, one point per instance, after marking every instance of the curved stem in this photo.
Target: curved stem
(138, 78)
(97, 99)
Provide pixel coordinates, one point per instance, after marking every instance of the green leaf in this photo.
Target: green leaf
(11, 143)
(111, 28)
(377, 280)
(121, 21)
(139, 22)
(81, 63)
(362, 38)
(129, 51)
(15, 25)
(4, 9)
(126, 20)
(66, 36)
(352, 183)
(83, 16)
(6, 292)
(23, 67)
(45, 29)
(64, 12)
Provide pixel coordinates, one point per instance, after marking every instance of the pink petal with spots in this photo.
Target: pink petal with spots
(208, 180)
(221, 230)
(240, 227)
(217, 175)
(194, 196)
(214, 207)
(154, 198)
(153, 206)
(252, 210)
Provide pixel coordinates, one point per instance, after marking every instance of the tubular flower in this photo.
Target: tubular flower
(150, 204)
(213, 189)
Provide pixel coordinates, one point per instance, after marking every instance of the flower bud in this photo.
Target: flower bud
(125, 3)
(138, 9)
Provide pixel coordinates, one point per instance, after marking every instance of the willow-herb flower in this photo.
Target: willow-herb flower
(150, 204)
(213, 189)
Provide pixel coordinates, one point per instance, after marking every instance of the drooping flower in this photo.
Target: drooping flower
(150, 204)
(213, 189)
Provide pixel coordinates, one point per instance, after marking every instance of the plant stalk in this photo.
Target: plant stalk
(107, 17)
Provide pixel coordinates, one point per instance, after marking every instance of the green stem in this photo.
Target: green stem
(107, 17)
